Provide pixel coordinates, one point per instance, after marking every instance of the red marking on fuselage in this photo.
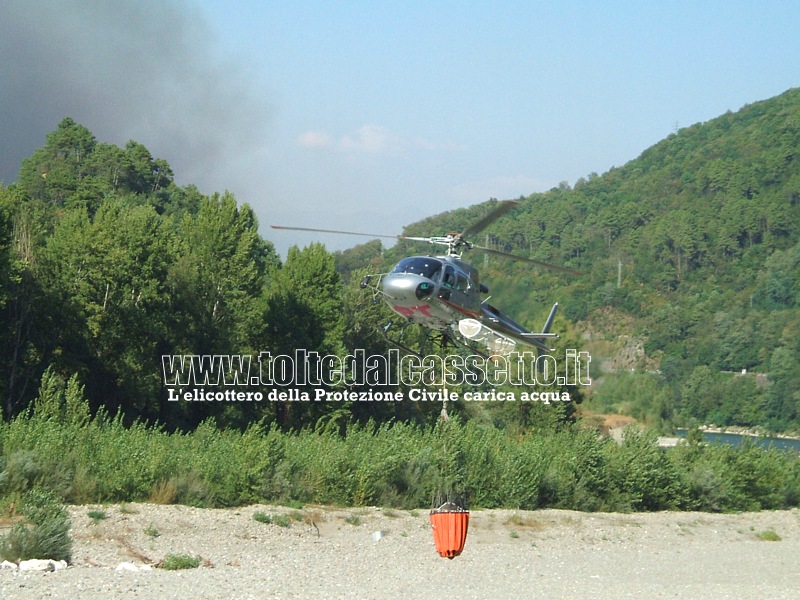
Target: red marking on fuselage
(408, 311)
(461, 309)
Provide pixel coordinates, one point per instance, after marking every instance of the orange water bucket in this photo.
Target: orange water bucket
(449, 531)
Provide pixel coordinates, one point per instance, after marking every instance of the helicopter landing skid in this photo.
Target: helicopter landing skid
(397, 342)
(447, 338)
(460, 342)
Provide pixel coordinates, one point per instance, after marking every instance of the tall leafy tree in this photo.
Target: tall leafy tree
(26, 303)
(219, 276)
(304, 311)
(305, 302)
(111, 272)
(55, 171)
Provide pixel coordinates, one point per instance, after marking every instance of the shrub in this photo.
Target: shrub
(44, 533)
(282, 520)
(176, 562)
(25, 469)
(279, 520)
(647, 478)
(97, 515)
(188, 488)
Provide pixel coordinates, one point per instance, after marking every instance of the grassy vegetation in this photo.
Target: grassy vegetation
(769, 536)
(175, 562)
(262, 517)
(100, 460)
(353, 520)
(279, 520)
(97, 515)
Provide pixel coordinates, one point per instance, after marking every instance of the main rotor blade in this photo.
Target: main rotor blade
(525, 259)
(372, 235)
(478, 226)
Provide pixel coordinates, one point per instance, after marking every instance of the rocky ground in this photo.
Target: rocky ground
(321, 552)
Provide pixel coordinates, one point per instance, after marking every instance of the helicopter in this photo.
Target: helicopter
(443, 293)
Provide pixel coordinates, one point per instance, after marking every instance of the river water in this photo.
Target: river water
(736, 439)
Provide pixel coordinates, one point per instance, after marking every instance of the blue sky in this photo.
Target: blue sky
(372, 115)
(384, 113)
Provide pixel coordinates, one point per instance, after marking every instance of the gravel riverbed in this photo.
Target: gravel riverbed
(337, 553)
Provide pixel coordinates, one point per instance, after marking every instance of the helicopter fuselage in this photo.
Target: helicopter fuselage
(443, 293)
(432, 290)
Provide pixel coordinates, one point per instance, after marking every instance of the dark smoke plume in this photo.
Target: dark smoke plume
(126, 69)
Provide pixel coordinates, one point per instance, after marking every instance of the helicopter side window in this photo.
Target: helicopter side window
(462, 283)
(419, 265)
(436, 273)
(449, 277)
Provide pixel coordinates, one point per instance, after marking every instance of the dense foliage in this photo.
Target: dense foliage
(99, 459)
(106, 265)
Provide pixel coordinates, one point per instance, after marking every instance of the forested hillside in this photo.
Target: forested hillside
(691, 249)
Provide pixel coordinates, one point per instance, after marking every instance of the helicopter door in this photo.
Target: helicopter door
(454, 286)
(448, 283)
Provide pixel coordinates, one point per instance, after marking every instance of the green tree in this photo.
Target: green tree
(5, 288)
(55, 171)
(304, 311)
(26, 303)
(219, 277)
(111, 273)
(307, 285)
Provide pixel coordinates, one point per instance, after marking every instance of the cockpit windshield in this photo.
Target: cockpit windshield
(420, 265)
